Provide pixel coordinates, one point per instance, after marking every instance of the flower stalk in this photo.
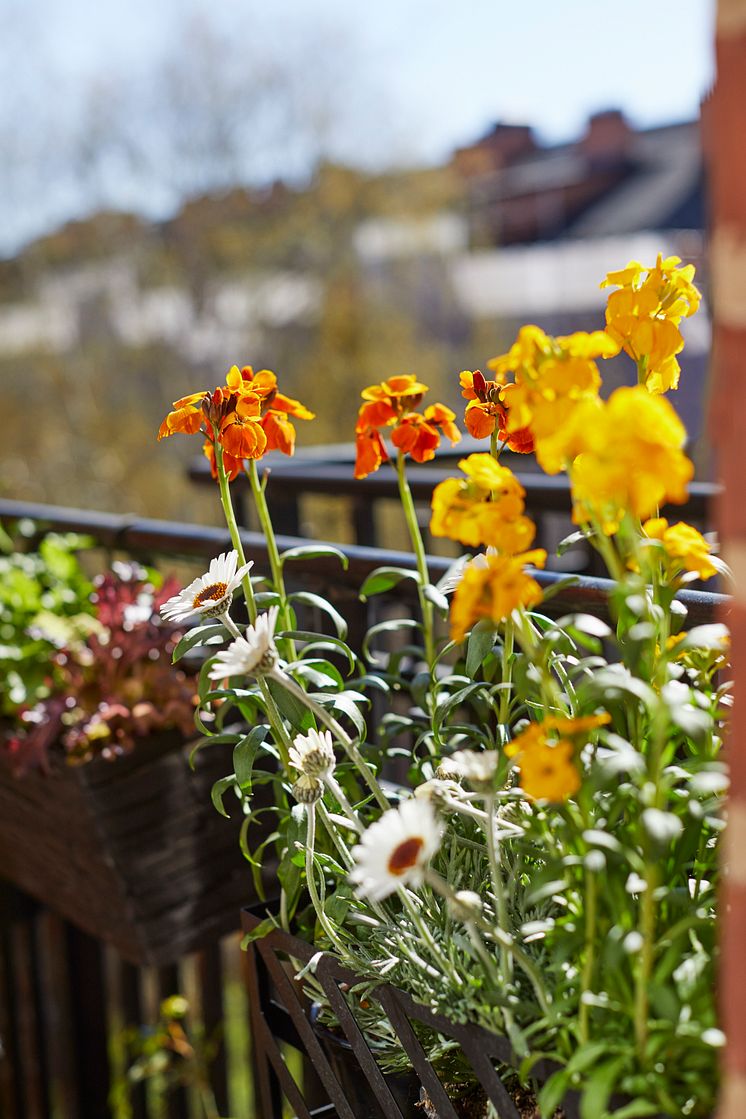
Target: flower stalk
(410, 514)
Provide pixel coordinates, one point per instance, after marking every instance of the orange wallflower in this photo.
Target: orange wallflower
(417, 434)
(487, 410)
(484, 508)
(392, 404)
(685, 549)
(545, 755)
(403, 391)
(249, 413)
(276, 407)
(241, 433)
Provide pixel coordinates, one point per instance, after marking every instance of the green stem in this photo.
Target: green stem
(207, 1099)
(642, 369)
(335, 789)
(333, 833)
(645, 969)
(275, 563)
(505, 696)
(500, 937)
(324, 921)
(589, 963)
(342, 737)
(275, 719)
(231, 522)
(498, 887)
(410, 514)
(445, 965)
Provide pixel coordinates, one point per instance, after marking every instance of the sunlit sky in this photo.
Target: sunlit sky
(451, 65)
(424, 75)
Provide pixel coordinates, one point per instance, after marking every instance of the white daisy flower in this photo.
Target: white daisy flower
(394, 850)
(211, 594)
(477, 767)
(254, 654)
(312, 754)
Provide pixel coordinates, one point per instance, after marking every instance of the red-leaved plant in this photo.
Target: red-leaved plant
(112, 688)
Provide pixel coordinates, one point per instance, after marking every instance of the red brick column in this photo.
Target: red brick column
(726, 143)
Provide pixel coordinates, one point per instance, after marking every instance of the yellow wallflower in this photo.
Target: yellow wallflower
(539, 734)
(549, 772)
(685, 548)
(551, 376)
(484, 508)
(547, 769)
(643, 317)
(494, 590)
(632, 460)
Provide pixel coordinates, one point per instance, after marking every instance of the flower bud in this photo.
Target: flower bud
(307, 790)
(465, 905)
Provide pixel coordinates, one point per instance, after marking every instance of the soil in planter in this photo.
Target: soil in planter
(473, 1104)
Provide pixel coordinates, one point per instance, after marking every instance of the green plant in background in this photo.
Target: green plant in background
(44, 605)
(170, 1055)
(85, 665)
(552, 872)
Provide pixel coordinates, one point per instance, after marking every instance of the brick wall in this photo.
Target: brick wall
(726, 123)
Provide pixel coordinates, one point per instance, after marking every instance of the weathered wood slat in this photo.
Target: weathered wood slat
(57, 1012)
(129, 996)
(89, 1024)
(29, 1027)
(211, 979)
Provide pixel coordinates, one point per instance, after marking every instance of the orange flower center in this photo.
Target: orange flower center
(213, 593)
(404, 857)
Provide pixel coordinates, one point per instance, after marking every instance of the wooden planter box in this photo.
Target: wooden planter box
(131, 851)
(279, 1016)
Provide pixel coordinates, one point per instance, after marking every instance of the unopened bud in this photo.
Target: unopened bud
(479, 383)
(307, 790)
(465, 905)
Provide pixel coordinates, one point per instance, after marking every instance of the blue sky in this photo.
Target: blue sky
(449, 66)
(416, 77)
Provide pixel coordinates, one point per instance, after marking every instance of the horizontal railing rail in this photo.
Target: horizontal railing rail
(361, 504)
(142, 536)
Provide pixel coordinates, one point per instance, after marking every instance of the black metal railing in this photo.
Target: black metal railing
(328, 472)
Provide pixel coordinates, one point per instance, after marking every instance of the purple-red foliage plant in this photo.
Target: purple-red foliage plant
(113, 688)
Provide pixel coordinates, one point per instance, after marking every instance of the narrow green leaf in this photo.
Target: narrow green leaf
(315, 600)
(311, 551)
(212, 634)
(312, 641)
(244, 756)
(481, 642)
(258, 932)
(384, 578)
(598, 1088)
(553, 1092)
(392, 626)
(219, 790)
(438, 599)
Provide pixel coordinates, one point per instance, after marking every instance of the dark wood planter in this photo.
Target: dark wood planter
(279, 1015)
(132, 851)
